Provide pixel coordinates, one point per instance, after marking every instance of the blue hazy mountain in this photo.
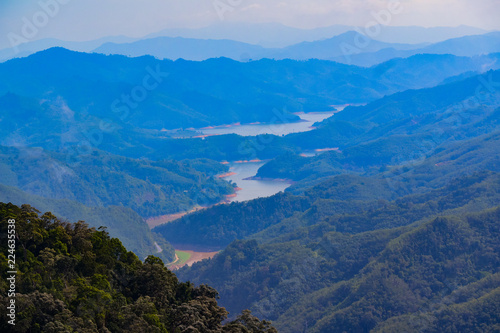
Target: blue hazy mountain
(71, 90)
(202, 49)
(26, 49)
(183, 48)
(343, 45)
(464, 46)
(276, 35)
(350, 48)
(222, 40)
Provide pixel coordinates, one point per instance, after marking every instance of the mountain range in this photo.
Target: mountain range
(251, 41)
(390, 223)
(57, 93)
(350, 47)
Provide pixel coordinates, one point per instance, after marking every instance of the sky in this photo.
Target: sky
(78, 20)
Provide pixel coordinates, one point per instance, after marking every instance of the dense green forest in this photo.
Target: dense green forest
(150, 188)
(120, 222)
(395, 228)
(72, 278)
(339, 267)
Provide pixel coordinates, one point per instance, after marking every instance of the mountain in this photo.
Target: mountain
(467, 46)
(351, 47)
(75, 278)
(121, 222)
(29, 48)
(417, 35)
(463, 46)
(433, 113)
(245, 41)
(183, 48)
(151, 188)
(275, 35)
(337, 47)
(202, 49)
(45, 100)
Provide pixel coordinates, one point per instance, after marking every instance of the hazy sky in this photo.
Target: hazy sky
(91, 19)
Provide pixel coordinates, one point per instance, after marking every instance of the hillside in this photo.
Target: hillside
(120, 222)
(100, 179)
(401, 128)
(348, 47)
(73, 278)
(375, 265)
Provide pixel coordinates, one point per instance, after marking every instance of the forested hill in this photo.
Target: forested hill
(48, 92)
(110, 190)
(72, 278)
(389, 248)
(425, 262)
(346, 191)
(150, 188)
(120, 222)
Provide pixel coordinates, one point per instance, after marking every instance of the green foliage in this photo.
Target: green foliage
(230, 222)
(149, 188)
(336, 267)
(72, 278)
(120, 222)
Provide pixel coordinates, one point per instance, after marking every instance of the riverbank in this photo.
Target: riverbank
(159, 220)
(188, 258)
(265, 179)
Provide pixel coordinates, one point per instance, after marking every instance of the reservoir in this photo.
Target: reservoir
(307, 120)
(252, 189)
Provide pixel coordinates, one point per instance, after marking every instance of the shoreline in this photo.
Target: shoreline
(199, 132)
(193, 258)
(267, 179)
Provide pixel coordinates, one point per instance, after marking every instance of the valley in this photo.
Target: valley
(185, 184)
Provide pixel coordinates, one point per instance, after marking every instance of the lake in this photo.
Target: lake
(308, 119)
(252, 189)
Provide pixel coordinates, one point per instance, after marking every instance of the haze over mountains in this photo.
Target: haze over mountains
(184, 96)
(349, 48)
(391, 222)
(275, 35)
(244, 41)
